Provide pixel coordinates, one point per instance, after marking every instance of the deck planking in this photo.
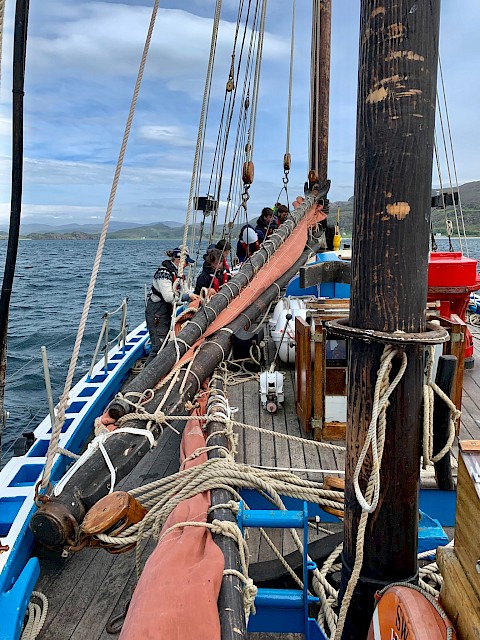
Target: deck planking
(86, 589)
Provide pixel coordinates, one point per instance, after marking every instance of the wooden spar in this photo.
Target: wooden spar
(19, 55)
(393, 168)
(167, 358)
(231, 607)
(56, 521)
(320, 89)
(447, 367)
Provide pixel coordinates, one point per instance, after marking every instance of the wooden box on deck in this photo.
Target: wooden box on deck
(314, 380)
(460, 566)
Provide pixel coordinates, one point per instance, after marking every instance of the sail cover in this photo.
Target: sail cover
(176, 596)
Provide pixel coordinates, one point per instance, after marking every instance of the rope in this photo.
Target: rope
(37, 614)
(275, 434)
(256, 82)
(2, 15)
(57, 428)
(376, 440)
(201, 124)
(98, 443)
(429, 389)
(163, 495)
(290, 79)
(453, 155)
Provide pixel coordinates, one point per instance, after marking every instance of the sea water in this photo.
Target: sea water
(49, 290)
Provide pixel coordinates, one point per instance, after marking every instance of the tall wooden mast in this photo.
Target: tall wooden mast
(320, 91)
(393, 168)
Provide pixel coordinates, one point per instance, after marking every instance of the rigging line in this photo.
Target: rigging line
(237, 29)
(290, 79)
(313, 85)
(451, 149)
(2, 16)
(201, 125)
(256, 85)
(439, 171)
(447, 161)
(242, 117)
(235, 89)
(241, 110)
(56, 430)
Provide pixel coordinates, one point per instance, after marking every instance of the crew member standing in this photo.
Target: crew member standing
(159, 309)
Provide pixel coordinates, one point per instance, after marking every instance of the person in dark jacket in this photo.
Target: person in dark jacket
(265, 224)
(209, 277)
(224, 246)
(159, 309)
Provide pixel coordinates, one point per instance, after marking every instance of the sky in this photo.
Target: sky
(82, 62)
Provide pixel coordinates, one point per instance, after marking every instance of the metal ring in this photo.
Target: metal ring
(433, 335)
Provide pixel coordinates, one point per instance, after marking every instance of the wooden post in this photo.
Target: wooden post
(393, 168)
(320, 89)
(446, 369)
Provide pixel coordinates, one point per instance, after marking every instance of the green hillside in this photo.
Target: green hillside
(469, 197)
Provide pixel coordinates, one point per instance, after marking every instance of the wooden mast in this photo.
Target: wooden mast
(393, 169)
(320, 92)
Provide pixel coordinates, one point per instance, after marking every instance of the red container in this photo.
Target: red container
(451, 269)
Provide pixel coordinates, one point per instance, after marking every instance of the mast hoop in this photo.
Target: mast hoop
(433, 335)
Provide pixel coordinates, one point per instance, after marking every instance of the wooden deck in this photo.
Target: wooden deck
(86, 589)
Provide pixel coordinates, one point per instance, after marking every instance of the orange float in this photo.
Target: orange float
(403, 613)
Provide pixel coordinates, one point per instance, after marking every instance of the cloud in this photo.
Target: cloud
(82, 62)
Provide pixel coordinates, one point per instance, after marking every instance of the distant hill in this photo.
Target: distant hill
(469, 197)
(173, 230)
(156, 231)
(27, 228)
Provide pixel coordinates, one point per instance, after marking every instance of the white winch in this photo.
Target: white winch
(271, 390)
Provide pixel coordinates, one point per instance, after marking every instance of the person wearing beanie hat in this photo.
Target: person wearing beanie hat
(159, 309)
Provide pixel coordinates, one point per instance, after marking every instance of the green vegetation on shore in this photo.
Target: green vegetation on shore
(469, 195)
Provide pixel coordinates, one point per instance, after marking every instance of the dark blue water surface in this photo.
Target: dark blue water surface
(50, 286)
(49, 291)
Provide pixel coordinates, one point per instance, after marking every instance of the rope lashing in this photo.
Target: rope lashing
(376, 440)
(98, 444)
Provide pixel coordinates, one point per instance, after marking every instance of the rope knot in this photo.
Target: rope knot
(160, 417)
(249, 594)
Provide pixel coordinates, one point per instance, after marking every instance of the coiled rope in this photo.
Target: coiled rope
(37, 614)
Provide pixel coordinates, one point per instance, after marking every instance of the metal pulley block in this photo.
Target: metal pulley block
(287, 161)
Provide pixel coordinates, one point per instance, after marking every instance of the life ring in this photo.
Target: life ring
(407, 613)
